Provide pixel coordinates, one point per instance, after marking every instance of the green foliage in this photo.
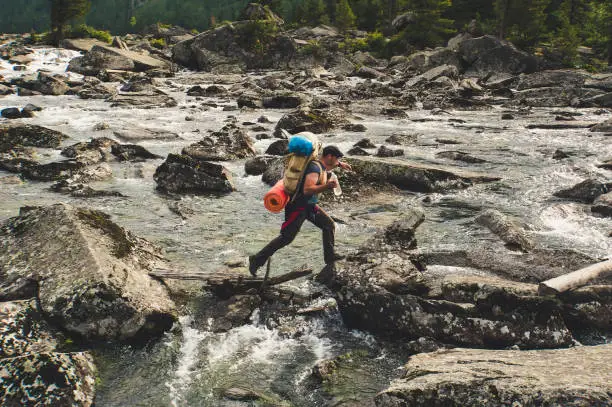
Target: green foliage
(158, 43)
(345, 18)
(313, 48)
(86, 31)
(257, 35)
(429, 28)
(312, 12)
(132, 21)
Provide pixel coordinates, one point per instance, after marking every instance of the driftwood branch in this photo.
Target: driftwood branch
(575, 279)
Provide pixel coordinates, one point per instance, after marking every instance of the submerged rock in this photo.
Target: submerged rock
(586, 191)
(460, 156)
(185, 174)
(229, 143)
(415, 177)
(509, 231)
(313, 120)
(475, 377)
(99, 287)
(29, 135)
(603, 205)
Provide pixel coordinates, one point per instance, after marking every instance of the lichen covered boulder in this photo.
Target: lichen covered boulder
(578, 376)
(229, 143)
(48, 379)
(91, 274)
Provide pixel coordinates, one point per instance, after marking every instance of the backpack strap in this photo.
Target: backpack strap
(300, 186)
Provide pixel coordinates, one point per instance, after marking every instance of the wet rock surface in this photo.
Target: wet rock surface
(476, 377)
(81, 290)
(229, 143)
(185, 174)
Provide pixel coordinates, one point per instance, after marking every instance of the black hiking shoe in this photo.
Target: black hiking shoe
(252, 266)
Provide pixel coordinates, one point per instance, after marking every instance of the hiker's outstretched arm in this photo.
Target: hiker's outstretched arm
(311, 187)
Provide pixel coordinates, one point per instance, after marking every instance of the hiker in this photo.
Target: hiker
(303, 206)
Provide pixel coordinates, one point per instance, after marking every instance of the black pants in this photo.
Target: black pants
(294, 218)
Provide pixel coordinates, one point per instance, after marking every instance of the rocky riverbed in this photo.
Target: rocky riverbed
(479, 171)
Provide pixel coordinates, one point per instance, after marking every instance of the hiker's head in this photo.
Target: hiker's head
(330, 156)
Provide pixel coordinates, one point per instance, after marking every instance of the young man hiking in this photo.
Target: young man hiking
(304, 206)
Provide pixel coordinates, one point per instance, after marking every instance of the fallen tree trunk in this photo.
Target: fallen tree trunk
(232, 282)
(575, 279)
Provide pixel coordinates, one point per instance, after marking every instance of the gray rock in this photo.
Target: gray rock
(313, 120)
(141, 134)
(10, 113)
(358, 151)
(376, 293)
(460, 156)
(5, 90)
(449, 71)
(250, 100)
(476, 377)
(23, 329)
(415, 177)
(90, 152)
(402, 139)
(227, 47)
(129, 152)
(488, 54)
(545, 79)
(81, 290)
(185, 174)
(258, 165)
(278, 147)
(229, 143)
(365, 143)
(281, 101)
(355, 127)
(589, 308)
(384, 151)
(143, 100)
(423, 61)
(603, 127)
(44, 83)
(509, 231)
(49, 379)
(603, 205)
(101, 58)
(586, 191)
(29, 136)
(274, 172)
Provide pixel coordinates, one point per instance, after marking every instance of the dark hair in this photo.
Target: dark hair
(333, 150)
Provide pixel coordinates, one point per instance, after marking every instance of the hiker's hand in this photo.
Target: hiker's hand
(345, 166)
(332, 183)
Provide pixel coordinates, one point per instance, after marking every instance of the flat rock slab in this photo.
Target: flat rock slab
(135, 135)
(561, 126)
(415, 176)
(474, 377)
(82, 44)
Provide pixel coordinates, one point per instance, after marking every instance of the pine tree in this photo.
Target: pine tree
(63, 11)
(345, 18)
(521, 21)
(429, 28)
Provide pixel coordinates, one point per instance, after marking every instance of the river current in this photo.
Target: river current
(191, 366)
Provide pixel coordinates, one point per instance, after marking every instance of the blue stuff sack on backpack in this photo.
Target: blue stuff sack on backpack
(300, 145)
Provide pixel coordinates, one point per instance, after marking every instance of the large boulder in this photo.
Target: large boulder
(307, 119)
(489, 54)
(475, 377)
(388, 306)
(101, 58)
(448, 71)
(586, 191)
(185, 174)
(237, 46)
(99, 287)
(29, 136)
(551, 78)
(414, 177)
(23, 328)
(151, 99)
(423, 61)
(605, 126)
(229, 143)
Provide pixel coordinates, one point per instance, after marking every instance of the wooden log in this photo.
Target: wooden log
(575, 279)
(231, 278)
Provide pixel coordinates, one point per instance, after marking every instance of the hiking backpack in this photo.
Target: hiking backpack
(303, 149)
